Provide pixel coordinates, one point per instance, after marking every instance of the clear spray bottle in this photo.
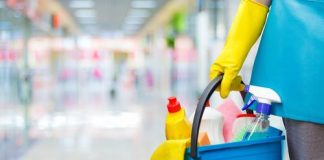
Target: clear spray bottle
(264, 97)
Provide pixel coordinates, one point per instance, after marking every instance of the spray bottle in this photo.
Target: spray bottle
(264, 98)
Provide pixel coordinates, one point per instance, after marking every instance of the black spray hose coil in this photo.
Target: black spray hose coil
(209, 90)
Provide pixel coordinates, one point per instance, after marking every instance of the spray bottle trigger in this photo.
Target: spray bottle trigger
(249, 104)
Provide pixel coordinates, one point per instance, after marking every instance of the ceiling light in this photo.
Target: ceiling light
(85, 13)
(144, 4)
(82, 4)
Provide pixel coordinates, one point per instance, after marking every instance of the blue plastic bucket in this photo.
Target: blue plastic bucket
(269, 148)
(263, 149)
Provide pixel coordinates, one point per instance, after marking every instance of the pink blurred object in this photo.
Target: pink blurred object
(230, 111)
(96, 55)
(97, 73)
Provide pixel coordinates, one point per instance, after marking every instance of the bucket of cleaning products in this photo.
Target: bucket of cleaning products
(265, 148)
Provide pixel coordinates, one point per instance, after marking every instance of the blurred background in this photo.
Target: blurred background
(89, 79)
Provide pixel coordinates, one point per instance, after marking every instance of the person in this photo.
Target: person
(290, 60)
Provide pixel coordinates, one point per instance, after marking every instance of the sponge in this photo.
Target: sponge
(230, 111)
(203, 139)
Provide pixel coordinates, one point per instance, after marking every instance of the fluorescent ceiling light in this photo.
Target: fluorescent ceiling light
(138, 13)
(143, 4)
(82, 4)
(85, 13)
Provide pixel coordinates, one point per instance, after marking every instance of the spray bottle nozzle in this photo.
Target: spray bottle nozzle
(261, 107)
(263, 96)
(249, 104)
(264, 108)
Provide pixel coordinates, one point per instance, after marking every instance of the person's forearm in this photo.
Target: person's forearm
(245, 30)
(264, 2)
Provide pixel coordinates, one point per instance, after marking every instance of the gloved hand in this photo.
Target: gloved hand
(171, 150)
(245, 30)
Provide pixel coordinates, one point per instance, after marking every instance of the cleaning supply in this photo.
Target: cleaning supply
(203, 139)
(229, 111)
(212, 123)
(177, 132)
(246, 28)
(239, 126)
(264, 98)
(177, 126)
(265, 149)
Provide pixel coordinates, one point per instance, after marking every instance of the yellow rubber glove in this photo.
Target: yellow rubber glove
(245, 30)
(171, 150)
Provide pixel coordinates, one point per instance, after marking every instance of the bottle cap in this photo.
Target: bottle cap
(263, 108)
(207, 104)
(174, 105)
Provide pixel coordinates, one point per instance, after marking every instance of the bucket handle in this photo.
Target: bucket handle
(209, 90)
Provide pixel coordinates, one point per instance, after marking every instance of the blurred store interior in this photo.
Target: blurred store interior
(89, 79)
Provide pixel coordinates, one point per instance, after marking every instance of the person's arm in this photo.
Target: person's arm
(246, 28)
(264, 2)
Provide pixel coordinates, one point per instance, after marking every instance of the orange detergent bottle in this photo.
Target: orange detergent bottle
(177, 126)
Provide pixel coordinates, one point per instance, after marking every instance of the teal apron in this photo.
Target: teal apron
(290, 58)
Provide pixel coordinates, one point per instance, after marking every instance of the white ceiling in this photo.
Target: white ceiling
(111, 17)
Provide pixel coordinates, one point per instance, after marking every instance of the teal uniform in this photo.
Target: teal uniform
(290, 58)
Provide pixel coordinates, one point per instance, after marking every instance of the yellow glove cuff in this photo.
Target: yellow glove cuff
(171, 150)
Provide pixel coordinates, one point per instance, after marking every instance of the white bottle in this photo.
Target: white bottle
(212, 122)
